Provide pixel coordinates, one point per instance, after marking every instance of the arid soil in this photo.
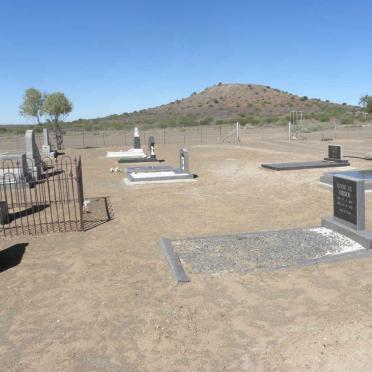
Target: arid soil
(105, 300)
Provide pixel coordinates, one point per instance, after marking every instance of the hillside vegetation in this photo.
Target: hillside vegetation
(250, 104)
(225, 103)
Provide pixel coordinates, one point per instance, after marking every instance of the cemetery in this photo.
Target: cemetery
(243, 252)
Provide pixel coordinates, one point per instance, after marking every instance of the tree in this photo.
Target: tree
(57, 105)
(363, 101)
(32, 105)
(369, 105)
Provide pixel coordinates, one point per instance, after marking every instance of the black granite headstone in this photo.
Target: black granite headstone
(345, 199)
(136, 142)
(335, 152)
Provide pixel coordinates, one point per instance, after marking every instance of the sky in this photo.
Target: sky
(114, 56)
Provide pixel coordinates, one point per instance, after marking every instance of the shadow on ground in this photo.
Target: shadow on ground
(99, 212)
(12, 256)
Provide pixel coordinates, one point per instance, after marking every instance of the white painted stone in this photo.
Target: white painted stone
(132, 153)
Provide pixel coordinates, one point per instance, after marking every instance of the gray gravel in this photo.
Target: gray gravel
(261, 251)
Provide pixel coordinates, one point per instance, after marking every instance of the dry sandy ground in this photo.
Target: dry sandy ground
(105, 300)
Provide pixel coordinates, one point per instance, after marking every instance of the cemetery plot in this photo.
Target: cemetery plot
(272, 250)
(161, 173)
(136, 154)
(334, 159)
(303, 165)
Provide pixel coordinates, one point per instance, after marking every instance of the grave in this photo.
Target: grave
(135, 154)
(341, 236)
(349, 210)
(46, 148)
(29, 163)
(334, 159)
(151, 157)
(161, 173)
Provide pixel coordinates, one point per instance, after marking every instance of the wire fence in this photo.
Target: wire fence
(206, 134)
(124, 137)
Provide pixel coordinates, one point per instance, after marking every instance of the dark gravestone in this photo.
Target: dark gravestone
(334, 152)
(349, 202)
(136, 142)
(151, 145)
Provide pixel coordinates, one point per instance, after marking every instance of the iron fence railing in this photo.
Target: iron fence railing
(53, 201)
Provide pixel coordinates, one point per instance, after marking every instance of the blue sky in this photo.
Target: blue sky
(119, 56)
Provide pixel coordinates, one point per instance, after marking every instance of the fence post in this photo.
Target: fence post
(201, 134)
(103, 138)
(220, 134)
(80, 190)
(83, 137)
(17, 140)
(184, 135)
(164, 135)
(125, 138)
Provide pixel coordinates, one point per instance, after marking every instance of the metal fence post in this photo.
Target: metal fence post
(83, 137)
(164, 135)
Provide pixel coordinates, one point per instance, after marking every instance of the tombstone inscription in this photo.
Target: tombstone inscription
(335, 152)
(349, 210)
(348, 201)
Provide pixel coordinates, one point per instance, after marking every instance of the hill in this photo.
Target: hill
(224, 103)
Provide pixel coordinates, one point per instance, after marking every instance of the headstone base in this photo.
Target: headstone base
(138, 160)
(363, 237)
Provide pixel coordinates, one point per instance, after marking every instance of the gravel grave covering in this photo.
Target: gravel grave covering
(261, 251)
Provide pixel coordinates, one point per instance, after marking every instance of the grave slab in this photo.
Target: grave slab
(304, 165)
(262, 251)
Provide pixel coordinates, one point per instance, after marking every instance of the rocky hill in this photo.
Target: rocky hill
(248, 103)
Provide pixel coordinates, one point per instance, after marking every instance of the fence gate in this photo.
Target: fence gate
(37, 198)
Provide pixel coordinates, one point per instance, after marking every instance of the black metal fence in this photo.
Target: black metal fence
(46, 196)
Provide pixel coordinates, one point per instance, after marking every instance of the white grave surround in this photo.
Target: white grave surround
(130, 154)
(161, 174)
